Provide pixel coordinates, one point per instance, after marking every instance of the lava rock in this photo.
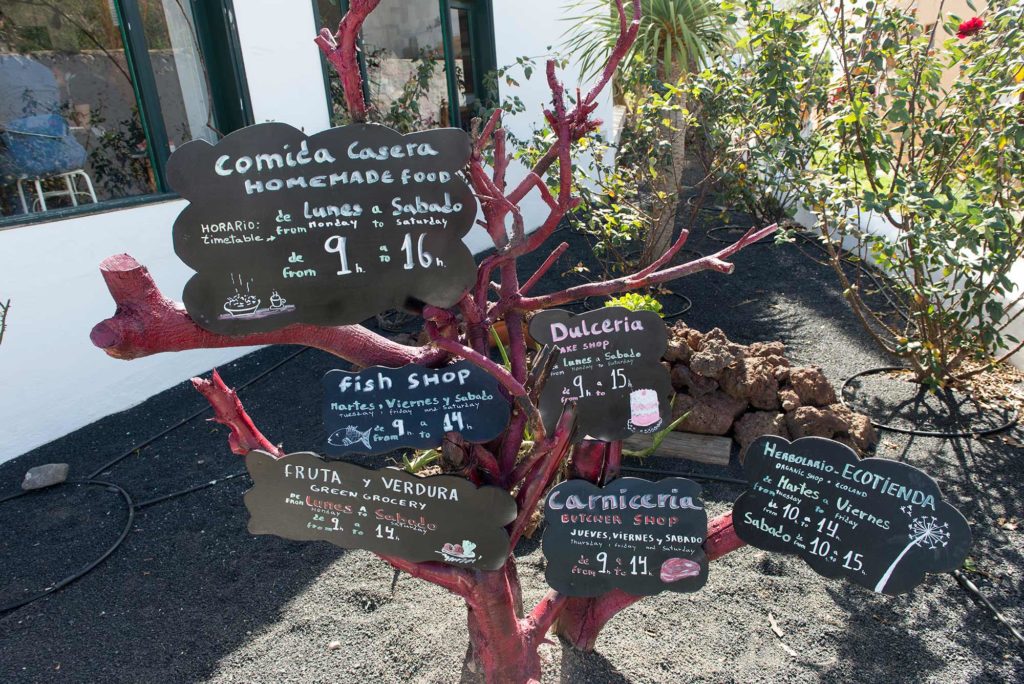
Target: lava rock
(716, 353)
(711, 414)
(752, 425)
(45, 476)
(811, 385)
(810, 421)
(695, 385)
(752, 378)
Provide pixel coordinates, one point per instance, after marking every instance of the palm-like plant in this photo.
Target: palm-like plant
(676, 36)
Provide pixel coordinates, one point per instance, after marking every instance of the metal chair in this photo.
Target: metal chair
(36, 144)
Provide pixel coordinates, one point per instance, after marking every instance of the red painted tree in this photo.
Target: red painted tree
(504, 638)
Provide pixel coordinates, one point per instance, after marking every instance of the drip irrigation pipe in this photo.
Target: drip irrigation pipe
(972, 589)
(173, 495)
(911, 431)
(130, 506)
(710, 233)
(693, 476)
(142, 445)
(857, 263)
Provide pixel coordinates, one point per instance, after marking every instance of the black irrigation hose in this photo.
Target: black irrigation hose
(976, 594)
(173, 495)
(132, 506)
(259, 376)
(909, 431)
(88, 568)
(710, 233)
(857, 263)
(694, 476)
(687, 305)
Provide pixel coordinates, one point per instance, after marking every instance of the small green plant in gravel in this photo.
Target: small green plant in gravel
(636, 301)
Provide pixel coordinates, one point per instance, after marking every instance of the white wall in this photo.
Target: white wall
(52, 379)
(526, 28)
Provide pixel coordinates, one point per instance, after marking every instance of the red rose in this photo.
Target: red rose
(970, 27)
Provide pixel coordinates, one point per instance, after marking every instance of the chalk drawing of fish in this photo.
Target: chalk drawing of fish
(347, 436)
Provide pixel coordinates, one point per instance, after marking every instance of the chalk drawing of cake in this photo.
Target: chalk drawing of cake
(643, 407)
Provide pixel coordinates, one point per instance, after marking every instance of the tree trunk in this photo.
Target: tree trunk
(499, 650)
(663, 212)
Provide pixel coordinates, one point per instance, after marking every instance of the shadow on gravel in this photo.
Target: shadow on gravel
(880, 630)
(585, 668)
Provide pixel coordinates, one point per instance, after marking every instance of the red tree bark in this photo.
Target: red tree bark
(503, 640)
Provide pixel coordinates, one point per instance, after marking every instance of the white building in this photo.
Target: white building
(126, 81)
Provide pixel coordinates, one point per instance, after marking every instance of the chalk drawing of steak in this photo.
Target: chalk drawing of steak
(675, 569)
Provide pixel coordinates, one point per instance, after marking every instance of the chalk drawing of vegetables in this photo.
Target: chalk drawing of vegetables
(924, 531)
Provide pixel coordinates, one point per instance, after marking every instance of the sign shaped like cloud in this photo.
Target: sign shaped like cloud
(327, 229)
(438, 518)
(610, 363)
(632, 534)
(878, 523)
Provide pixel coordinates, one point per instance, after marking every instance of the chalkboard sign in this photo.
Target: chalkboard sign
(439, 518)
(635, 535)
(610, 363)
(325, 229)
(878, 523)
(379, 409)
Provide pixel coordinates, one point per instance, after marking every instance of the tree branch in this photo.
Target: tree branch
(146, 322)
(228, 410)
(713, 262)
(341, 51)
(538, 479)
(455, 580)
(536, 625)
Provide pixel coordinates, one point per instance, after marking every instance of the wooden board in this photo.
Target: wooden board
(708, 449)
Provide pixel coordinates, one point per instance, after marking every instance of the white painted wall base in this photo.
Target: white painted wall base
(53, 379)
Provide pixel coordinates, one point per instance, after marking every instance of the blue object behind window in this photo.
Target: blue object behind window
(37, 147)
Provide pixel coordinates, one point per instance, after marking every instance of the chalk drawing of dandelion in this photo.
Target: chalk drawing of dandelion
(924, 531)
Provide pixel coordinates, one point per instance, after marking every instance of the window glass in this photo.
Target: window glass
(69, 124)
(179, 72)
(72, 132)
(403, 51)
(462, 53)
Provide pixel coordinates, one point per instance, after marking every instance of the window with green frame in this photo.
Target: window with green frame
(418, 58)
(96, 94)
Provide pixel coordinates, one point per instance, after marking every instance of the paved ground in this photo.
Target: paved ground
(191, 597)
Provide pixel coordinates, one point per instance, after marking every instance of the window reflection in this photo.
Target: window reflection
(68, 118)
(177, 66)
(403, 50)
(71, 132)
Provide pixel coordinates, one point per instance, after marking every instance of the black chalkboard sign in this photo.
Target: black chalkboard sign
(440, 518)
(879, 523)
(635, 535)
(610, 363)
(326, 229)
(379, 409)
